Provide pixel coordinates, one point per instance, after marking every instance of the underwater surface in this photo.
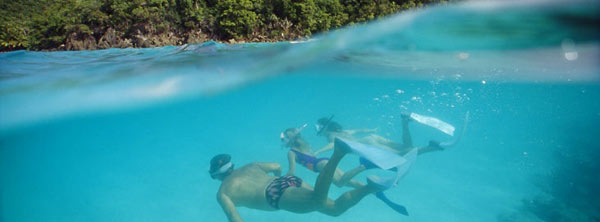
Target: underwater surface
(127, 134)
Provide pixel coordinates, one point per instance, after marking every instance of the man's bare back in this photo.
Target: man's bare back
(246, 186)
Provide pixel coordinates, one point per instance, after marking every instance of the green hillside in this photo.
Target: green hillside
(99, 24)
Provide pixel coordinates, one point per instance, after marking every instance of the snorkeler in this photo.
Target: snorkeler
(251, 186)
(330, 129)
(300, 152)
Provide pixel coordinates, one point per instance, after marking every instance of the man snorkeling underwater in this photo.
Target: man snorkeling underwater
(251, 186)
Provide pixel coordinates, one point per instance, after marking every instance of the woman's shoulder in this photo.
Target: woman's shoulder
(302, 151)
(347, 134)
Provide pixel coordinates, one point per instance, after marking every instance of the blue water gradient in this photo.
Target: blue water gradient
(127, 134)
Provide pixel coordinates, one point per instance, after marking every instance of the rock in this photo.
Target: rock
(195, 37)
(110, 39)
(141, 41)
(103, 45)
(125, 43)
(89, 42)
(77, 41)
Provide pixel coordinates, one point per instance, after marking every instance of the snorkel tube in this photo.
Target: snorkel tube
(285, 140)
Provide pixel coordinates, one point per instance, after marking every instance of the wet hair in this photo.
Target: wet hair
(323, 121)
(219, 161)
(330, 125)
(297, 140)
(290, 130)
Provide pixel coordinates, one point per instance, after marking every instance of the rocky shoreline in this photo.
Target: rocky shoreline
(112, 39)
(46, 25)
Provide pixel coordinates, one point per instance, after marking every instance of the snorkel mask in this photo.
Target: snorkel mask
(285, 140)
(321, 127)
(318, 128)
(223, 169)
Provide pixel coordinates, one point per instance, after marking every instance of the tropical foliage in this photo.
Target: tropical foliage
(50, 24)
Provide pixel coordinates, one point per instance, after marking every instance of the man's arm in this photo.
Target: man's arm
(274, 168)
(228, 207)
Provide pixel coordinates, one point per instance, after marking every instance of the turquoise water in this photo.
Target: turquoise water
(127, 134)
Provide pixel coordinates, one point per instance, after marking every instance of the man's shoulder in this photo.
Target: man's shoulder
(248, 166)
(241, 172)
(258, 165)
(237, 177)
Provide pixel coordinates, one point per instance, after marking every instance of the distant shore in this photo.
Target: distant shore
(110, 39)
(58, 25)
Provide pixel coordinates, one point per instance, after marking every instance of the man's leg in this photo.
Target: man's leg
(347, 200)
(325, 178)
(306, 199)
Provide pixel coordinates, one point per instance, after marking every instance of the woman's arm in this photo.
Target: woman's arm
(327, 147)
(356, 131)
(292, 163)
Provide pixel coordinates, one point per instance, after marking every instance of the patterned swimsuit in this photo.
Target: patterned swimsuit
(278, 186)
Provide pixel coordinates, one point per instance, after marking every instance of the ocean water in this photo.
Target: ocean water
(127, 134)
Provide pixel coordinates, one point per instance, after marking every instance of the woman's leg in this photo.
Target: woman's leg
(406, 138)
(433, 146)
(346, 178)
(341, 178)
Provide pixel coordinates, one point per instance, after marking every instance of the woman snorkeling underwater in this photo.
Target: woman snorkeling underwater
(330, 129)
(300, 152)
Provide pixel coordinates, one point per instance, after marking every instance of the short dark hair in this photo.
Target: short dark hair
(329, 125)
(323, 121)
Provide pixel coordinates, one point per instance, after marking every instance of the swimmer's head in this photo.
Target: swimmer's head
(220, 166)
(290, 135)
(326, 125)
